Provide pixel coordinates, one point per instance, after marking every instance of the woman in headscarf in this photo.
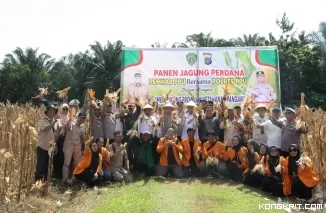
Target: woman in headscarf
(236, 155)
(89, 169)
(251, 177)
(298, 177)
(272, 181)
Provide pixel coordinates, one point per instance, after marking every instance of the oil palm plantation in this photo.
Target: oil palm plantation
(106, 65)
(36, 68)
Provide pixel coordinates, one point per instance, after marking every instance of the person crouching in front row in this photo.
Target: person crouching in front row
(191, 154)
(214, 156)
(119, 163)
(169, 147)
(145, 163)
(89, 169)
(237, 157)
(298, 176)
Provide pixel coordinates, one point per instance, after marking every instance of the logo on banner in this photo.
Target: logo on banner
(208, 58)
(191, 58)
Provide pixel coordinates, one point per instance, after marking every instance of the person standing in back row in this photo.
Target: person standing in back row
(45, 137)
(291, 132)
(73, 144)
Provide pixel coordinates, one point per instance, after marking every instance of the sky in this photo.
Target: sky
(60, 27)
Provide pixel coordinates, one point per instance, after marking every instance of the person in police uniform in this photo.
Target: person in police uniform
(263, 92)
(138, 88)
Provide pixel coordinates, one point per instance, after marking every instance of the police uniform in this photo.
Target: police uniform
(263, 92)
(138, 89)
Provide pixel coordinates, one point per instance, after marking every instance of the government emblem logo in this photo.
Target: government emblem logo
(191, 58)
(208, 58)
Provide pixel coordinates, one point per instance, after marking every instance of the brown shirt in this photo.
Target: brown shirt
(119, 156)
(73, 134)
(97, 127)
(45, 137)
(109, 125)
(289, 135)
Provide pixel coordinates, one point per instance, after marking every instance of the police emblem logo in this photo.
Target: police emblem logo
(191, 58)
(208, 58)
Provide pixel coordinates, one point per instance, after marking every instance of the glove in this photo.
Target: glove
(101, 173)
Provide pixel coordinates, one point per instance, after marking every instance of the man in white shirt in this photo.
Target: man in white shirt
(273, 129)
(146, 122)
(189, 120)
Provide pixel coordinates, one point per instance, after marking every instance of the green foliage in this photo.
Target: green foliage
(302, 63)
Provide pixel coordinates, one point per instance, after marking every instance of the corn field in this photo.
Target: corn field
(314, 143)
(18, 136)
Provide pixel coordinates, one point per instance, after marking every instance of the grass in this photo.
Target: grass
(149, 196)
(185, 196)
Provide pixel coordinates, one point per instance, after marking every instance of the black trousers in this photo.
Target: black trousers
(234, 172)
(59, 158)
(142, 168)
(87, 176)
(42, 161)
(300, 190)
(268, 182)
(191, 171)
(253, 180)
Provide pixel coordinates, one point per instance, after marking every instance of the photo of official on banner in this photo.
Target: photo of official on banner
(247, 72)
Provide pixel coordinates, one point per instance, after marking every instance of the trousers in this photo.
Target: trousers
(71, 151)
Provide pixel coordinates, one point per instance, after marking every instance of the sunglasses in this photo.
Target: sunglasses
(293, 150)
(273, 150)
(65, 109)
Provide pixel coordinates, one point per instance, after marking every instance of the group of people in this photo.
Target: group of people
(179, 140)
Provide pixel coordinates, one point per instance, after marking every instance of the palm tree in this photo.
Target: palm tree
(319, 38)
(81, 71)
(205, 40)
(30, 57)
(250, 40)
(38, 66)
(106, 62)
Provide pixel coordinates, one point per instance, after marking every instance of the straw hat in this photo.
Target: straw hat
(260, 106)
(168, 105)
(191, 104)
(147, 106)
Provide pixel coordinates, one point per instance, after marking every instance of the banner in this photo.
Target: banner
(247, 72)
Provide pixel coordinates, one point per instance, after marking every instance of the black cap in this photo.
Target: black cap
(82, 114)
(51, 106)
(210, 132)
(190, 129)
(260, 73)
(138, 74)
